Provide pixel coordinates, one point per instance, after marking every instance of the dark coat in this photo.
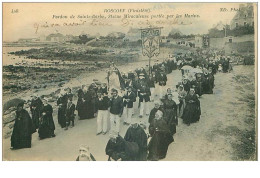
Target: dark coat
(192, 110)
(63, 100)
(161, 138)
(87, 109)
(144, 93)
(47, 126)
(104, 103)
(187, 86)
(36, 107)
(138, 136)
(70, 116)
(170, 116)
(80, 107)
(151, 82)
(22, 131)
(116, 105)
(162, 79)
(121, 149)
(132, 99)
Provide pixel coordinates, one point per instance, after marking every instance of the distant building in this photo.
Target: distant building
(201, 41)
(133, 34)
(219, 26)
(57, 37)
(164, 39)
(243, 17)
(70, 38)
(198, 41)
(229, 39)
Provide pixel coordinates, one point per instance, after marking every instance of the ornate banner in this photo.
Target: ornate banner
(150, 41)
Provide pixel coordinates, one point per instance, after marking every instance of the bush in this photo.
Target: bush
(238, 31)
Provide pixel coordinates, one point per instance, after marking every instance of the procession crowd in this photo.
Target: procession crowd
(122, 97)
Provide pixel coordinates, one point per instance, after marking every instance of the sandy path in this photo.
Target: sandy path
(194, 142)
(211, 138)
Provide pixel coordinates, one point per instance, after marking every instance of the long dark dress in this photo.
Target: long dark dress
(170, 116)
(192, 110)
(88, 107)
(22, 131)
(187, 86)
(199, 89)
(206, 85)
(80, 104)
(63, 100)
(161, 138)
(94, 100)
(211, 82)
(138, 136)
(47, 127)
(121, 149)
(36, 107)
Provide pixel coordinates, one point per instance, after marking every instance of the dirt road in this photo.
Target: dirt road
(214, 137)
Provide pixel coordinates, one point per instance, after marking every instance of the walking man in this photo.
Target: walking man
(102, 116)
(116, 110)
(129, 99)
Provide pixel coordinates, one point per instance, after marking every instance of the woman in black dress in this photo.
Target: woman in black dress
(47, 127)
(192, 110)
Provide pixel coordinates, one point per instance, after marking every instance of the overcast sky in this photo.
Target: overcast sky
(23, 23)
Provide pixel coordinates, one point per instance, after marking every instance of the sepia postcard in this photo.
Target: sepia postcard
(129, 81)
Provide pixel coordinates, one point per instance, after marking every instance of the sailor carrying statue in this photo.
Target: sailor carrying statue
(114, 79)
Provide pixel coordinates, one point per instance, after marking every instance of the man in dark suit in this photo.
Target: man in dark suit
(116, 110)
(129, 99)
